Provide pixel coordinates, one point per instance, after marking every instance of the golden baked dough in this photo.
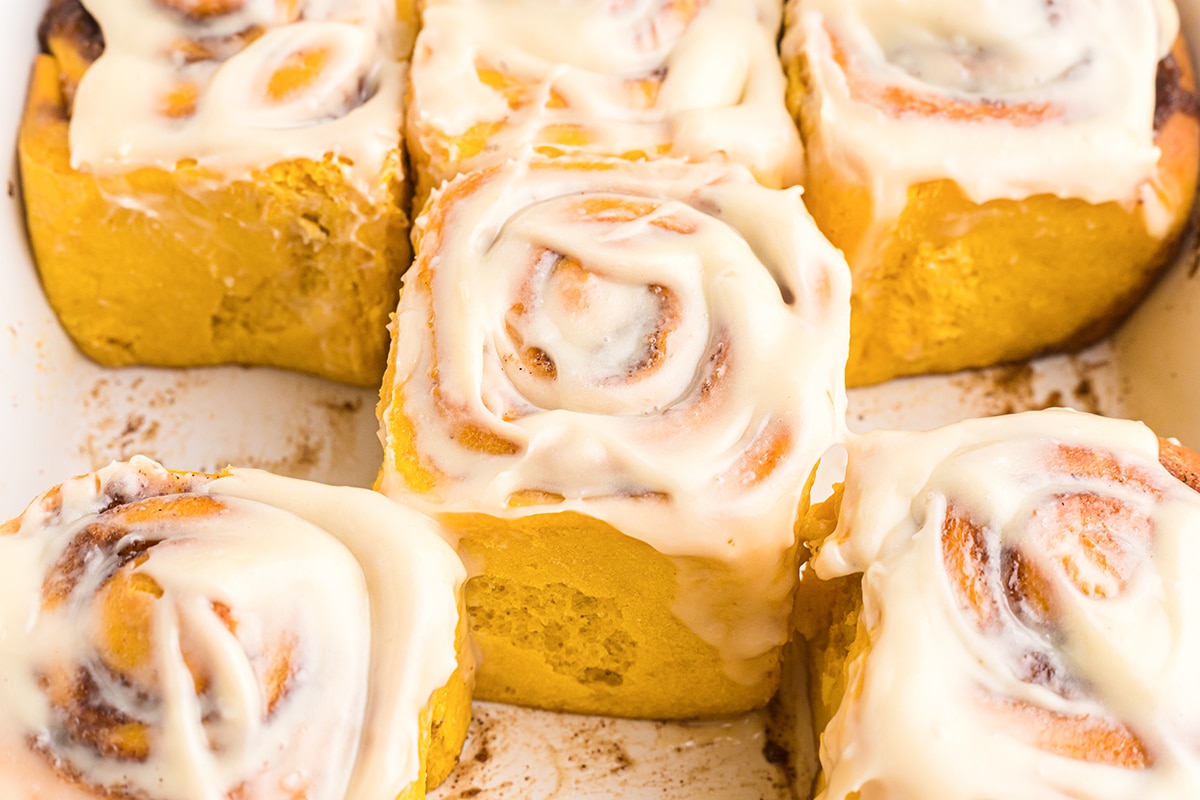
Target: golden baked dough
(609, 381)
(642, 79)
(230, 633)
(294, 264)
(998, 609)
(949, 276)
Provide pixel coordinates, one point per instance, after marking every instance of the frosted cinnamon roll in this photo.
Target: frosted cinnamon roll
(1012, 614)
(240, 635)
(638, 79)
(220, 181)
(609, 381)
(1004, 179)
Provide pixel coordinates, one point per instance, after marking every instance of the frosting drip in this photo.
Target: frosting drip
(647, 77)
(1005, 99)
(179, 635)
(239, 85)
(656, 345)
(1029, 611)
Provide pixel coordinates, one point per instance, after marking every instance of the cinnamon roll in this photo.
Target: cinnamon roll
(1005, 179)
(219, 181)
(609, 380)
(1012, 614)
(241, 635)
(637, 79)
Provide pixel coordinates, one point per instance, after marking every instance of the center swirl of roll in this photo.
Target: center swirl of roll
(989, 50)
(610, 315)
(588, 331)
(303, 74)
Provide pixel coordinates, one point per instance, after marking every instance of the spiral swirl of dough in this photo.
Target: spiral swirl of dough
(1029, 617)
(180, 635)
(1007, 100)
(655, 344)
(643, 78)
(238, 84)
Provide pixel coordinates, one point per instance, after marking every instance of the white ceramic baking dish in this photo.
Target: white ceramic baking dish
(61, 415)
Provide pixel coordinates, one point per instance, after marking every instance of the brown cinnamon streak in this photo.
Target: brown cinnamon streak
(68, 20)
(1171, 96)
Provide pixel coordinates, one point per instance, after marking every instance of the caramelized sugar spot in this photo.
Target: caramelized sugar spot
(471, 143)
(642, 93)
(539, 363)
(1097, 542)
(278, 673)
(1087, 462)
(225, 614)
(524, 498)
(1082, 737)
(169, 508)
(764, 455)
(564, 135)
(899, 101)
(968, 566)
(517, 92)
(473, 437)
(180, 102)
(1182, 462)
(625, 209)
(1027, 590)
(297, 73)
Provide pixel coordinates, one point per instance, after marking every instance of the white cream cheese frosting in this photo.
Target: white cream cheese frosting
(1006, 99)
(296, 634)
(247, 85)
(686, 78)
(1031, 617)
(658, 345)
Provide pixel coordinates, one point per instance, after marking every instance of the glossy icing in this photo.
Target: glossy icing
(295, 634)
(649, 77)
(657, 345)
(1083, 620)
(1005, 99)
(238, 85)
